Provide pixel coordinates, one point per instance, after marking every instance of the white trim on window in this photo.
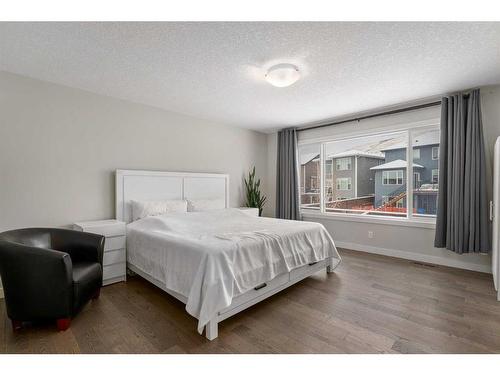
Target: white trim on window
(435, 153)
(343, 183)
(396, 175)
(416, 153)
(435, 174)
(343, 164)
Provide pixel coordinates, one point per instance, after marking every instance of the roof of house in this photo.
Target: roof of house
(424, 139)
(306, 158)
(367, 154)
(395, 164)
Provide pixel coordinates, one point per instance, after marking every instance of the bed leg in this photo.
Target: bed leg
(211, 329)
(330, 265)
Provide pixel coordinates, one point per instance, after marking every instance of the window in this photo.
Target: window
(343, 164)
(314, 183)
(368, 174)
(392, 177)
(416, 153)
(435, 153)
(435, 176)
(344, 183)
(359, 163)
(416, 180)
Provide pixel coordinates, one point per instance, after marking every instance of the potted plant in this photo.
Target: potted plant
(254, 197)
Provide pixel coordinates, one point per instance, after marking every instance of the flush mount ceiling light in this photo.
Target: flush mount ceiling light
(282, 75)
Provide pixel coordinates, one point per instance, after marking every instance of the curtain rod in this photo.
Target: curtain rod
(392, 112)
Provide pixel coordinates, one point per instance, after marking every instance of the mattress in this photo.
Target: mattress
(211, 257)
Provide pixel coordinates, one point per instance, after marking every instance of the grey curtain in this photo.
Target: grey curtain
(462, 222)
(287, 180)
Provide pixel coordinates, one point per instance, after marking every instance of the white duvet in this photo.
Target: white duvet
(212, 257)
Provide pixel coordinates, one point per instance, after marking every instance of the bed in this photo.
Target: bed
(218, 262)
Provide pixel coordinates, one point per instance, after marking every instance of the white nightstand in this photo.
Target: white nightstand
(252, 211)
(115, 257)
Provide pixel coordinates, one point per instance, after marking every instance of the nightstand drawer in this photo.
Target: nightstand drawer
(114, 256)
(114, 243)
(114, 270)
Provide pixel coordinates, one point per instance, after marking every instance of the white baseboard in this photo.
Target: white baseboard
(416, 257)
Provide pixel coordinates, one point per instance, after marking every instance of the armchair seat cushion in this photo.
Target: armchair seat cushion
(87, 278)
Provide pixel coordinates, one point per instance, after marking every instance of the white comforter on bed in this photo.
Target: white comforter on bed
(212, 257)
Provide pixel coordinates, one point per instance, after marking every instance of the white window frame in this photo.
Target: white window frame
(437, 153)
(416, 153)
(432, 176)
(343, 164)
(397, 178)
(410, 219)
(339, 180)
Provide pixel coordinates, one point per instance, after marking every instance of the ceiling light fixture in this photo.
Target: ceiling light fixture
(282, 75)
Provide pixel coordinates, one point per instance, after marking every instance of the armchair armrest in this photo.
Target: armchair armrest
(81, 246)
(35, 280)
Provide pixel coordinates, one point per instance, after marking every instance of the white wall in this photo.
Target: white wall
(407, 242)
(59, 148)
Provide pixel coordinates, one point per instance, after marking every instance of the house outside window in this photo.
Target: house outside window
(392, 177)
(344, 183)
(343, 164)
(435, 153)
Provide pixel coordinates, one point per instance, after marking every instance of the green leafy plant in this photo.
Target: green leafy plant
(254, 197)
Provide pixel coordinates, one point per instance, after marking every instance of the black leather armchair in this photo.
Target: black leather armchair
(49, 273)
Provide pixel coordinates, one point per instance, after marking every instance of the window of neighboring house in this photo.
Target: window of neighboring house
(435, 153)
(392, 177)
(314, 182)
(343, 164)
(416, 180)
(416, 153)
(344, 183)
(435, 176)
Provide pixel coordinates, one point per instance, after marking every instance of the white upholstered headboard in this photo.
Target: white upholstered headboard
(156, 185)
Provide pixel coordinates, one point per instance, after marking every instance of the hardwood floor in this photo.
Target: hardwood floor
(372, 304)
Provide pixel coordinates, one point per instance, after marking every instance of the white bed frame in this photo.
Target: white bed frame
(156, 185)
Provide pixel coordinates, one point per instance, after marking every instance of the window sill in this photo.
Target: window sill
(418, 223)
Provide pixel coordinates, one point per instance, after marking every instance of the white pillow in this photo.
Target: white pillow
(205, 204)
(141, 209)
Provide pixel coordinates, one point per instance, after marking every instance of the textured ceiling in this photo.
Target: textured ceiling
(215, 71)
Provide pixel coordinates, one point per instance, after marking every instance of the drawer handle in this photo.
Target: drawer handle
(313, 263)
(260, 286)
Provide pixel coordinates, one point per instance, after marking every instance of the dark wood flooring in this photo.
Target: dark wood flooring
(372, 304)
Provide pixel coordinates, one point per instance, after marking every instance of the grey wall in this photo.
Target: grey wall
(409, 242)
(59, 148)
(366, 177)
